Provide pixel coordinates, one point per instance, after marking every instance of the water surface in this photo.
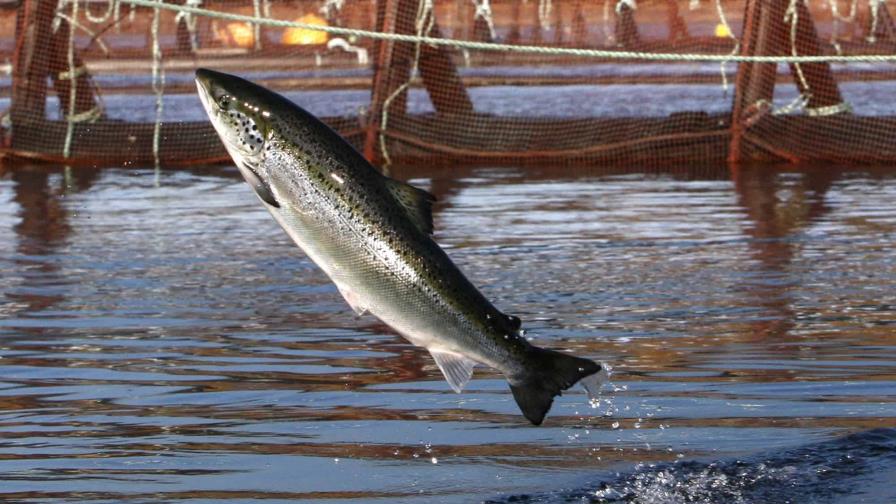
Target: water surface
(161, 340)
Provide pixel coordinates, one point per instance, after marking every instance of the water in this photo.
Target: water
(161, 340)
(572, 101)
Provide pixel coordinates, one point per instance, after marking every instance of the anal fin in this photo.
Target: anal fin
(352, 299)
(456, 368)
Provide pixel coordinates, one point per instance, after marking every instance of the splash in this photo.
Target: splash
(823, 472)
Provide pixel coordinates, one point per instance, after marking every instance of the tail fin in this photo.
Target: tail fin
(548, 374)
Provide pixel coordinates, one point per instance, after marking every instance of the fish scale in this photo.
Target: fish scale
(371, 235)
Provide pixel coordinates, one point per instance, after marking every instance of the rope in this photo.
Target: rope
(631, 4)
(73, 83)
(837, 17)
(541, 50)
(256, 27)
(792, 15)
(190, 22)
(110, 8)
(330, 8)
(724, 20)
(874, 6)
(158, 82)
(75, 24)
(608, 32)
(424, 23)
(544, 13)
(484, 11)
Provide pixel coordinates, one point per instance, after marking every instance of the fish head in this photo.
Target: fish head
(238, 111)
(241, 113)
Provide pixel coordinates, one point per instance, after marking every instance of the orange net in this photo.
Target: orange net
(108, 82)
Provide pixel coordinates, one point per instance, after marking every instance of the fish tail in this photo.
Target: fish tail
(548, 374)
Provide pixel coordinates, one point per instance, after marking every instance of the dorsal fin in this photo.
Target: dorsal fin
(456, 368)
(416, 202)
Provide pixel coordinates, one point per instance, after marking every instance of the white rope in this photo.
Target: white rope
(797, 104)
(544, 13)
(110, 9)
(874, 6)
(835, 11)
(330, 8)
(423, 25)
(73, 83)
(838, 108)
(730, 33)
(608, 32)
(158, 83)
(792, 15)
(484, 11)
(256, 27)
(631, 4)
(190, 21)
(763, 107)
(837, 18)
(543, 50)
(75, 24)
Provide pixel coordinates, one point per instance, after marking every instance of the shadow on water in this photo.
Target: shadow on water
(778, 212)
(854, 466)
(166, 342)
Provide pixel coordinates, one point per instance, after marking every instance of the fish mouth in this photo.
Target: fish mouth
(205, 83)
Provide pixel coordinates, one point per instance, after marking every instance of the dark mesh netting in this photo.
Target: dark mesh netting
(111, 83)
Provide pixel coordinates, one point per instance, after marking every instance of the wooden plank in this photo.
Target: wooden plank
(441, 79)
(41, 53)
(822, 87)
(85, 99)
(392, 68)
(30, 60)
(626, 29)
(755, 82)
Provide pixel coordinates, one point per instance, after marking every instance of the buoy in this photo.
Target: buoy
(722, 30)
(237, 34)
(304, 36)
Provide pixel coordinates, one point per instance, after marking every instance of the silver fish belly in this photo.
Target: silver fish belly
(371, 235)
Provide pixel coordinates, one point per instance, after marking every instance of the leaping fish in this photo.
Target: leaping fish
(371, 235)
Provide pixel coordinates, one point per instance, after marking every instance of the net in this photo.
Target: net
(107, 82)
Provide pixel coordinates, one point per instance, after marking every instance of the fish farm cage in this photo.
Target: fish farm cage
(503, 82)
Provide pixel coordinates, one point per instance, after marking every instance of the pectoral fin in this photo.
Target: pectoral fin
(260, 187)
(456, 368)
(416, 202)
